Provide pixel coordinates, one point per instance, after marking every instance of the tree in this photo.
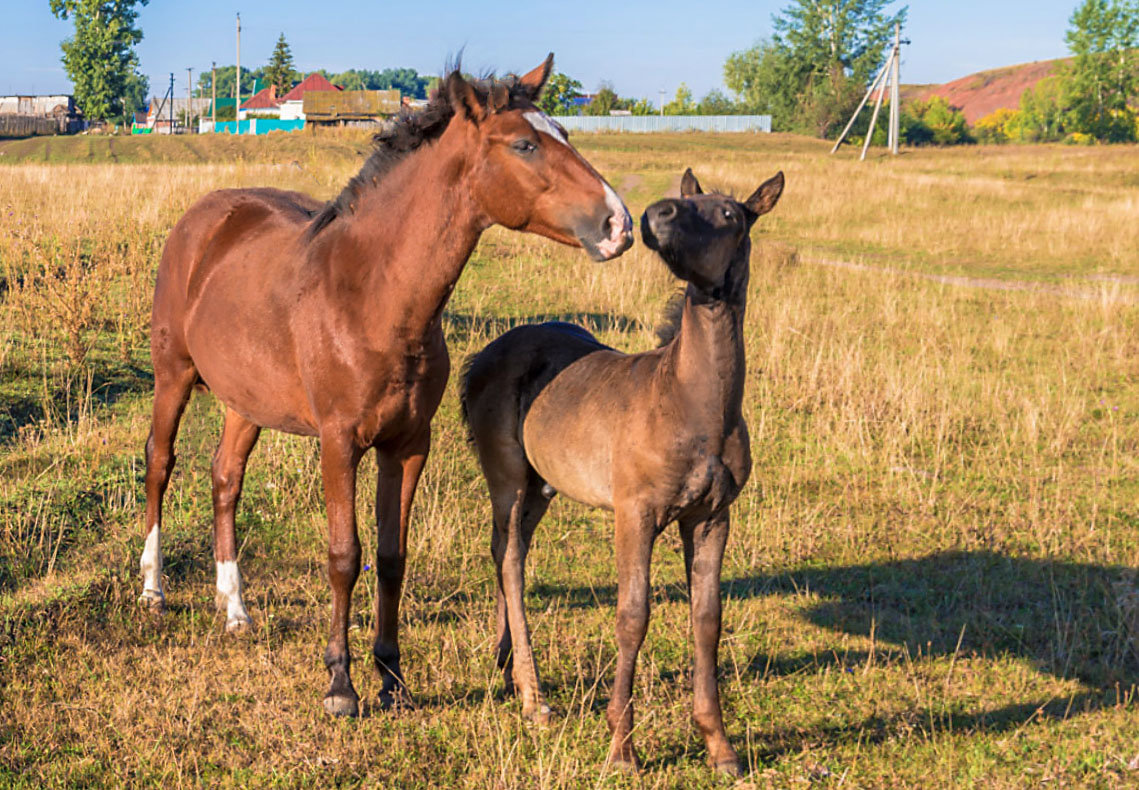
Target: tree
(682, 103)
(558, 95)
(1102, 79)
(100, 59)
(716, 102)
(604, 100)
(819, 62)
(226, 80)
(280, 71)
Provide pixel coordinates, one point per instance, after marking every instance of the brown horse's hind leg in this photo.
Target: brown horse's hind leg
(339, 457)
(237, 440)
(703, 553)
(634, 536)
(395, 489)
(173, 382)
(516, 514)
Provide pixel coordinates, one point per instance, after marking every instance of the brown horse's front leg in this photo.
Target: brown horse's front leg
(634, 538)
(339, 456)
(395, 489)
(704, 543)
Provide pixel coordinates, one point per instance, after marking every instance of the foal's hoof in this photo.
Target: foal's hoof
(622, 766)
(153, 600)
(341, 706)
(396, 700)
(730, 768)
(539, 714)
(239, 626)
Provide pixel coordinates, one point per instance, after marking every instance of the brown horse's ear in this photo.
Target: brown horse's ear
(498, 99)
(533, 81)
(689, 186)
(463, 97)
(765, 198)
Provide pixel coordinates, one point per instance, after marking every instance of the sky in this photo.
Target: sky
(642, 48)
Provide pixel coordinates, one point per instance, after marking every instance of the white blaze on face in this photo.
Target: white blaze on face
(620, 221)
(229, 595)
(151, 565)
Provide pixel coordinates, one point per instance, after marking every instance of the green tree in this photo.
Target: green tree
(682, 103)
(716, 102)
(816, 67)
(558, 95)
(604, 100)
(100, 59)
(280, 71)
(226, 80)
(642, 107)
(1102, 79)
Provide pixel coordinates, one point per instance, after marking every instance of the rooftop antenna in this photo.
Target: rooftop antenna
(889, 75)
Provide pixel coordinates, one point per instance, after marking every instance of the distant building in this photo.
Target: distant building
(262, 103)
(292, 103)
(185, 111)
(350, 108)
(29, 115)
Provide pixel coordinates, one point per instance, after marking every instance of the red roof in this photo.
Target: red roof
(313, 82)
(262, 100)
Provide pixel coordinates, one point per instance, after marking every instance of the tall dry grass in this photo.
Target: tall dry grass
(929, 579)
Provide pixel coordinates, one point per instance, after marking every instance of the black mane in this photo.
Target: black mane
(404, 135)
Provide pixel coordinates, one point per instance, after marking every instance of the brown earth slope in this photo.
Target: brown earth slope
(979, 94)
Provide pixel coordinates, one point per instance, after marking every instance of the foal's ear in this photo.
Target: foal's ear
(463, 98)
(535, 79)
(689, 186)
(765, 198)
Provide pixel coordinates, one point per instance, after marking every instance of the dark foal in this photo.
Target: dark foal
(655, 437)
(326, 320)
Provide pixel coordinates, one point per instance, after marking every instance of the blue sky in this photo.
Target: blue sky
(641, 47)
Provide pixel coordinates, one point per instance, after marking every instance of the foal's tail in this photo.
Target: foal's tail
(464, 391)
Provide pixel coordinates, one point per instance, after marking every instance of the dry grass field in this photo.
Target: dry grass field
(931, 580)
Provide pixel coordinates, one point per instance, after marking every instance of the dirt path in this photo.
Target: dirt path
(1112, 288)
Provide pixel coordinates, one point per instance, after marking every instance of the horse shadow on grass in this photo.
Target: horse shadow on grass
(1067, 619)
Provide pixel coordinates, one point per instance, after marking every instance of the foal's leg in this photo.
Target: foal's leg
(399, 473)
(173, 381)
(634, 538)
(339, 456)
(703, 552)
(514, 524)
(237, 440)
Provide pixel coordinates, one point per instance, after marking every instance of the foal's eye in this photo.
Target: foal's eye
(524, 146)
(729, 216)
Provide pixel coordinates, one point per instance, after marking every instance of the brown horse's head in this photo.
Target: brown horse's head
(525, 174)
(700, 236)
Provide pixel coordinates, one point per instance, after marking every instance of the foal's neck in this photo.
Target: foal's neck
(708, 357)
(409, 239)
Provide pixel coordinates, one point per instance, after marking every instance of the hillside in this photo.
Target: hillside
(979, 94)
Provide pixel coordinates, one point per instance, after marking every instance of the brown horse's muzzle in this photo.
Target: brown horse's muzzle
(609, 232)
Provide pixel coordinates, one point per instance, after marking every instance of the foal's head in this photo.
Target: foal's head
(701, 236)
(525, 175)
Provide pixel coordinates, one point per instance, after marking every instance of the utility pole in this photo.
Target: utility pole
(237, 95)
(889, 75)
(189, 95)
(214, 92)
(661, 92)
(895, 103)
(171, 102)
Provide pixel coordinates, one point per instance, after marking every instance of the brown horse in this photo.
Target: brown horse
(655, 437)
(325, 320)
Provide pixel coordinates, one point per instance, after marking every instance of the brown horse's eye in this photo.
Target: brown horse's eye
(524, 146)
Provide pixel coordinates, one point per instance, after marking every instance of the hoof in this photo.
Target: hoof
(239, 626)
(729, 768)
(540, 714)
(341, 706)
(397, 699)
(623, 766)
(153, 600)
